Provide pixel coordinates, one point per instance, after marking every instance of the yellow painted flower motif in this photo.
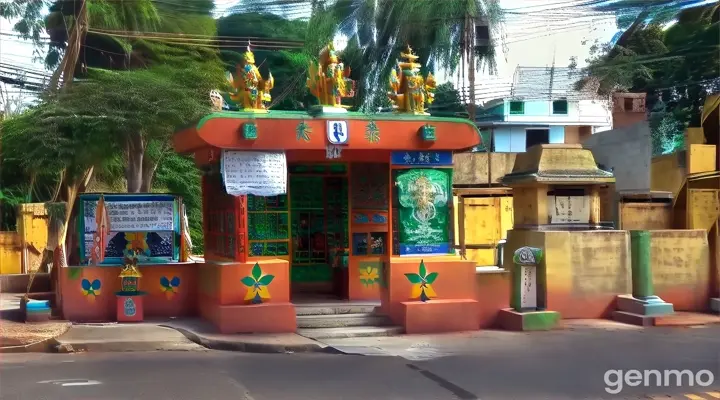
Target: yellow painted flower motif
(136, 240)
(422, 283)
(369, 275)
(257, 285)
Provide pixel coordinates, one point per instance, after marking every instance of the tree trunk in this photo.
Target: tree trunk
(67, 66)
(148, 172)
(135, 153)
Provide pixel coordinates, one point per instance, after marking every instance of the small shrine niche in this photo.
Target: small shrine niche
(329, 81)
(409, 91)
(250, 92)
(557, 187)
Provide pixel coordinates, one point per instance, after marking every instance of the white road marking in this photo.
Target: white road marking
(86, 383)
(72, 382)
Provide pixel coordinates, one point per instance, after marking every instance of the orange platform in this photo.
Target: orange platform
(440, 316)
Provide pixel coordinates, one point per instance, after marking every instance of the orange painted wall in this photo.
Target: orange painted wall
(77, 306)
(222, 298)
(492, 294)
(223, 282)
(357, 290)
(456, 280)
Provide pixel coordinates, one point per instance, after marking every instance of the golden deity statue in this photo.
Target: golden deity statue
(249, 90)
(329, 81)
(409, 90)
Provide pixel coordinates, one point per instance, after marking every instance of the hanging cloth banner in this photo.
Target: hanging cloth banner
(101, 234)
(187, 240)
(254, 172)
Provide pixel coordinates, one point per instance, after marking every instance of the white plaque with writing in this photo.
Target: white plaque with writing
(528, 287)
(569, 209)
(133, 216)
(254, 172)
(337, 132)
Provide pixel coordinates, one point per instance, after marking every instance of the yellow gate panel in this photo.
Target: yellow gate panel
(10, 256)
(506, 216)
(481, 257)
(482, 220)
(704, 208)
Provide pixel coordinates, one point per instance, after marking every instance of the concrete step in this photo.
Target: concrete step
(350, 332)
(341, 320)
(633, 319)
(715, 305)
(648, 308)
(335, 309)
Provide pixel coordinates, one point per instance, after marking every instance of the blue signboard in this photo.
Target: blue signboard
(429, 158)
(420, 249)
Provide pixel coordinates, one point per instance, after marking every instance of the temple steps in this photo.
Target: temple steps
(350, 332)
(343, 320)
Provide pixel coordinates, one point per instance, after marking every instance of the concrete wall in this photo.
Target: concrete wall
(586, 270)
(628, 151)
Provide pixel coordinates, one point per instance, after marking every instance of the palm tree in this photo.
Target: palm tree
(447, 35)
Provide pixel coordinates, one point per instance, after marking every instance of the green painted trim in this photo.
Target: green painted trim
(301, 115)
(642, 284)
(540, 320)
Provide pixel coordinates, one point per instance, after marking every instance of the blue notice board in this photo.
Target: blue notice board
(428, 158)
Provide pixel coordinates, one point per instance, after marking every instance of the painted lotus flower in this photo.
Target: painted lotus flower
(369, 275)
(422, 283)
(257, 285)
(136, 241)
(169, 286)
(91, 289)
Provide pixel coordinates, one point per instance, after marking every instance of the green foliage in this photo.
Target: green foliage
(382, 28)
(177, 174)
(677, 68)
(667, 133)
(447, 101)
(288, 67)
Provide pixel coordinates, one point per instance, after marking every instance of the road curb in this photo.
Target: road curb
(118, 347)
(42, 346)
(248, 347)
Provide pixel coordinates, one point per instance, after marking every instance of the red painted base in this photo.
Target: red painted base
(129, 308)
(440, 316)
(251, 318)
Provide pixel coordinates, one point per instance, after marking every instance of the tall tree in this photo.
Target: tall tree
(677, 67)
(382, 28)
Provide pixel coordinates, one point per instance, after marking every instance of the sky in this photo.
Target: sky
(535, 33)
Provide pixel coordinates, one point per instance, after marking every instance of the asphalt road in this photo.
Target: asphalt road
(540, 367)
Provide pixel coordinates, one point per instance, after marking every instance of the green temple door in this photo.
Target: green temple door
(319, 232)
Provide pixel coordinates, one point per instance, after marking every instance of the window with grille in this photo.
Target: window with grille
(560, 107)
(268, 226)
(223, 221)
(517, 107)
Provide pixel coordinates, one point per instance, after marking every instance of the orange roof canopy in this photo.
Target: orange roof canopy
(284, 130)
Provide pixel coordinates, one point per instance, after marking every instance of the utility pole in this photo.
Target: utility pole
(470, 51)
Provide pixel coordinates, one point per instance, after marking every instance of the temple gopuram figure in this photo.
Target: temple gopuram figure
(329, 81)
(249, 90)
(409, 90)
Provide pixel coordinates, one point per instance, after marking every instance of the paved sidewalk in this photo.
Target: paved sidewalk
(179, 334)
(123, 337)
(204, 333)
